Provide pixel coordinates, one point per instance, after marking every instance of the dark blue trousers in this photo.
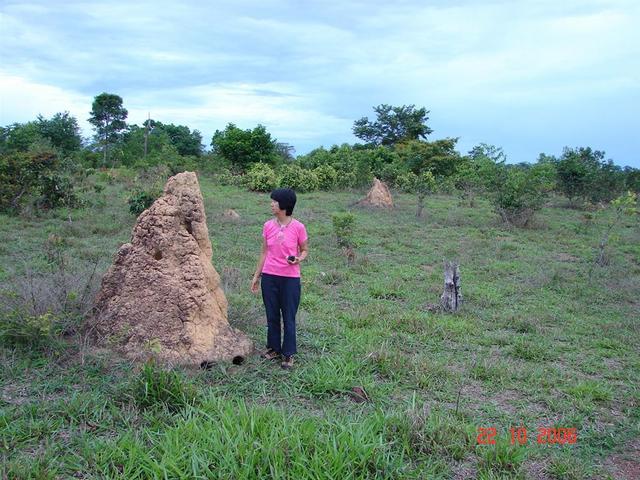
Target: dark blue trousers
(281, 296)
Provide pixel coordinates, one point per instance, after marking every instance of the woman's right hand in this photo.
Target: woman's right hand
(255, 283)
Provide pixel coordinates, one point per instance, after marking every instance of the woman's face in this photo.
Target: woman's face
(275, 207)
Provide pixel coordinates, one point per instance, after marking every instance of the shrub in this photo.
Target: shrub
(315, 158)
(624, 205)
(261, 177)
(583, 173)
(467, 180)
(298, 178)
(140, 200)
(242, 148)
(158, 387)
(362, 174)
(439, 157)
(390, 172)
(149, 185)
(19, 328)
(20, 174)
(520, 192)
(179, 164)
(347, 178)
(327, 177)
(405, 182)
(422, 185)
(354, 165)
(56, 191)
(226, 177)
(444, 185)
(343, 227)
(153, 177)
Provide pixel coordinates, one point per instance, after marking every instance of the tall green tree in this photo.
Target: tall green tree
(393, 125)
(487, 151)
(19, 137)
(108, 118)
(187, 142)
(22, 173)
(133, 145)
(438, 157)
(285, 151)
(62, 130)
(520, 191)
(632, 179)
(584, 174)
(244, 147)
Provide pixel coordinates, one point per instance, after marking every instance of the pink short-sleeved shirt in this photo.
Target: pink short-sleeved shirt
(282, 242)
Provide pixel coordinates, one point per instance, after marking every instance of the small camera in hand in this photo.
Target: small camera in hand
(291, 258)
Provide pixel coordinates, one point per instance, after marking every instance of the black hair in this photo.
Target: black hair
(286, 198)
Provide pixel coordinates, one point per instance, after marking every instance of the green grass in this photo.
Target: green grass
(544, 339)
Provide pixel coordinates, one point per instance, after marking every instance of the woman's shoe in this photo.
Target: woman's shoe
(287, 362)
(270, 354)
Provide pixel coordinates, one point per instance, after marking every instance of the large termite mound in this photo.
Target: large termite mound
(162, 296)
(378, 196)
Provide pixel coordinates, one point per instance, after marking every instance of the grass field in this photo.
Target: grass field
(545, 339)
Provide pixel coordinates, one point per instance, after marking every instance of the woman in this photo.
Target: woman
(284, 246)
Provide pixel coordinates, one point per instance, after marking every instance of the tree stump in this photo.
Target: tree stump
(451, 299)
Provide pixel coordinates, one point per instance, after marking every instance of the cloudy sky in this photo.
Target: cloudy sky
(529, 76)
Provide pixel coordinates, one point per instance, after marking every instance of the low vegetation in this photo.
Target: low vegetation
(385, 385)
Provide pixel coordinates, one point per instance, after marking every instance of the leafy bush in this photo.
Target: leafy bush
(261, 178)
(149, 183)
(439, 157)
(520, 192)
(245, 147)
(297, 178)
(183, 163)
(226, 177)
(327, 176)
(347, 178)
(380, 162)
(390, 172)
(361, 175)
(157, 387)
(140, 200)
(422, 185)
(19, 328)
(343, 227)
(57, 191)
(317, 157)
(624, 205)
(355, 165)
(20, 174)
(405, 182)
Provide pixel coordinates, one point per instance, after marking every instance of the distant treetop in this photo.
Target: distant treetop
(393, 125)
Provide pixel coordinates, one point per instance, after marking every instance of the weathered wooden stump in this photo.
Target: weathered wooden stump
(451, 299)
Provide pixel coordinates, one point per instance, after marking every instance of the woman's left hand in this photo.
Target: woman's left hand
(295, 261)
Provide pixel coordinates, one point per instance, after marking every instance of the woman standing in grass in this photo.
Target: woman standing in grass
(284, 246)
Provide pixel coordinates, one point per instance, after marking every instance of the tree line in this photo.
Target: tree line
(40, 158)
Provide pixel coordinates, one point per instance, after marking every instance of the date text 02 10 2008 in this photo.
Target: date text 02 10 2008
(545, 436)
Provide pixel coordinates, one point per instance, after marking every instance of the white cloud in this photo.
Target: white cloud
(22, 100)
(306, 71)
(288, 113)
